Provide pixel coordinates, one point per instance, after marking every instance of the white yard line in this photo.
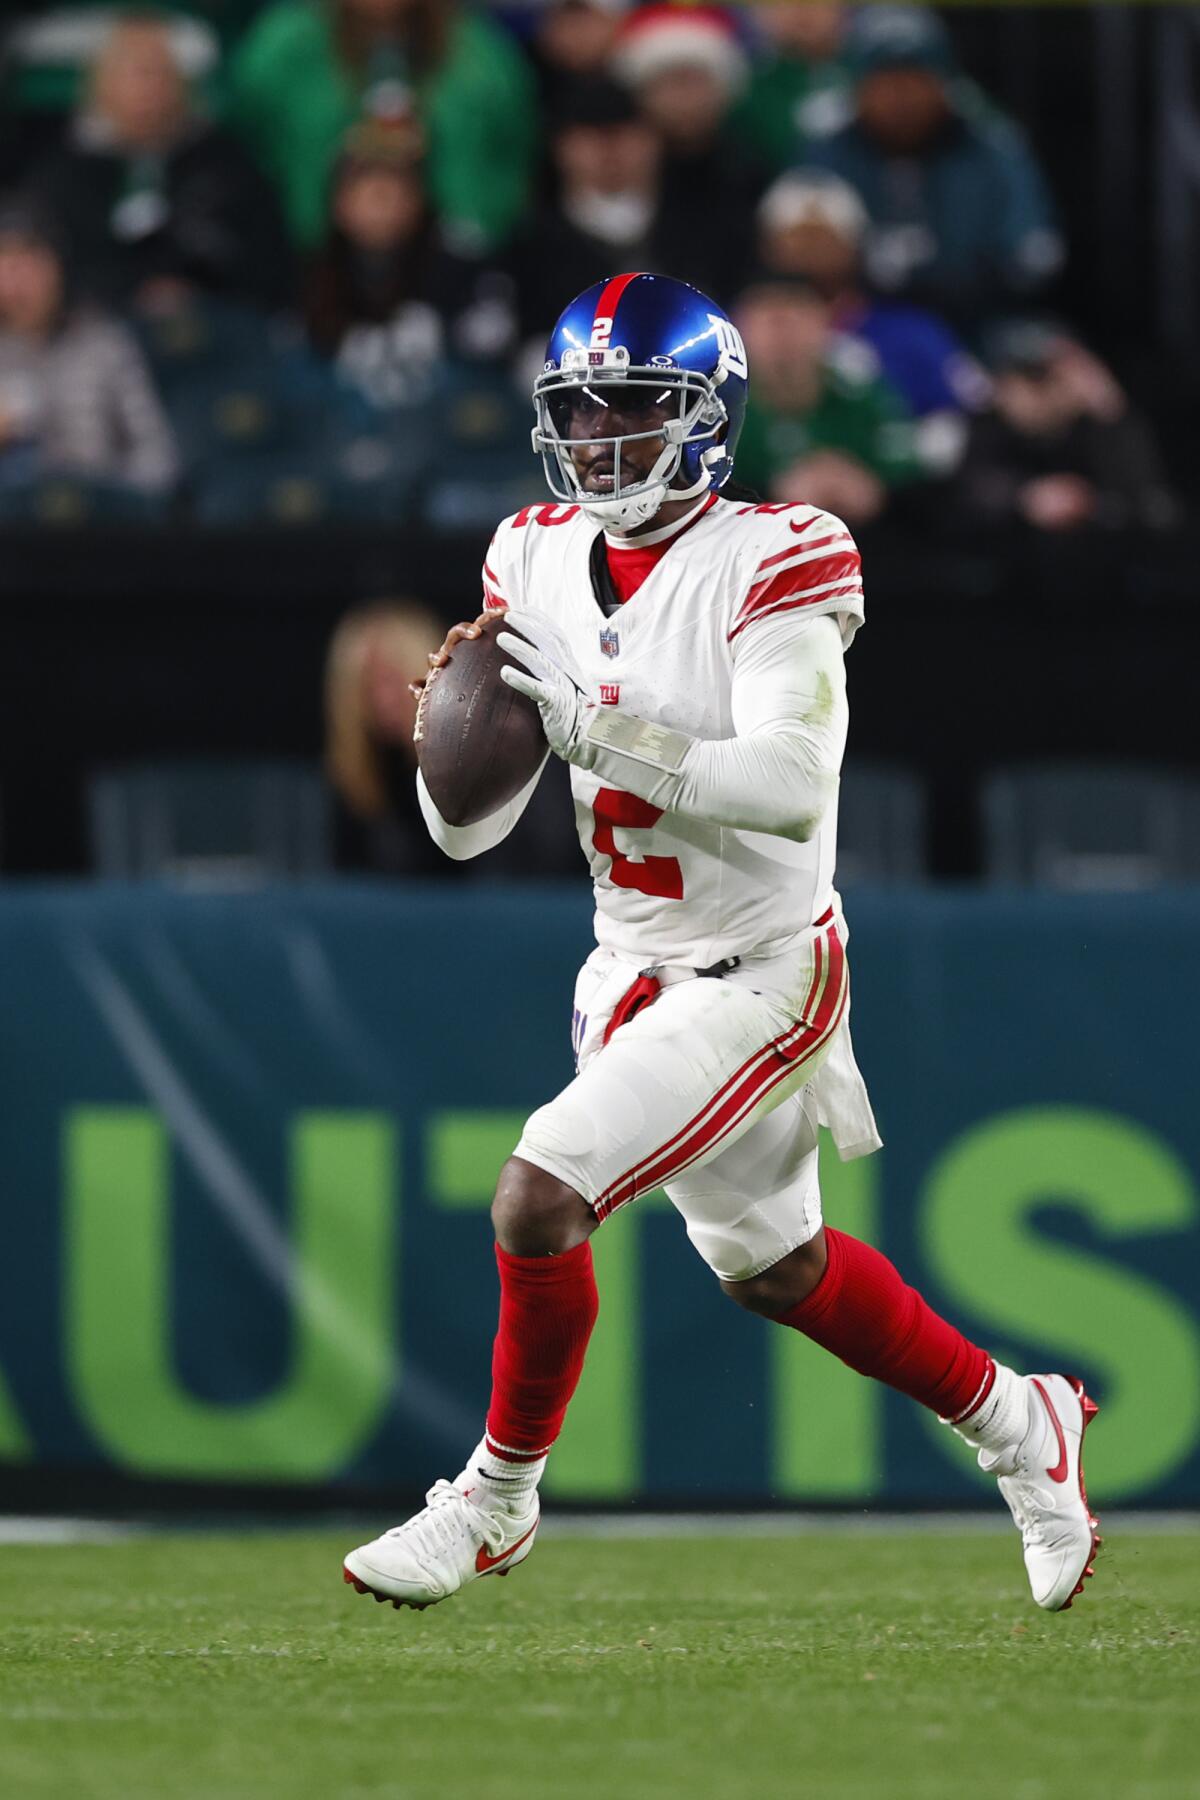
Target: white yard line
(797, 1524)
(30, 1532)
(64, 1531)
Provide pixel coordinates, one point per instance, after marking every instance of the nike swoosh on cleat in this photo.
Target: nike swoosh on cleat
(484, 1562)
(1059, 1471)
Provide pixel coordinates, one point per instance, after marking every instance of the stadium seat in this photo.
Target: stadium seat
(475, 503)
(269, 489)
(214, 823)
(203, 333)
(881, 825)
(65, 502)
(267, 430)
(1091, 825)
(359, 481)
(481, 467)
(217, 367)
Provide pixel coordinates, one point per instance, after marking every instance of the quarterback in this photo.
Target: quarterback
(686, 647)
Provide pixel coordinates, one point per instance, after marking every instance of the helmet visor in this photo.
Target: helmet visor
(578, 414)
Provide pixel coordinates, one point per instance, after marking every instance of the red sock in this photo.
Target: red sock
(864, 1312)
(548, 1305)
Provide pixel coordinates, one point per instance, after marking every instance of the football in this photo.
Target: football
(478, 741)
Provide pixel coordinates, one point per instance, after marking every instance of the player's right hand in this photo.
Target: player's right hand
(439, 658)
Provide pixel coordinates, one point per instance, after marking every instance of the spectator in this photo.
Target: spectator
(150, 194)
(800, 87)
(821, 425)
(1061, 447)
(369, 715)
(686, 69)
(75, 396)
(573, 40)
(607, 208)
(960, 217)
(308, 70)
(371, 761)
(386, 297)
(810, 226)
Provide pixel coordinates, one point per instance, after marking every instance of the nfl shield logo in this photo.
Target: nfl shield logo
(610, 643)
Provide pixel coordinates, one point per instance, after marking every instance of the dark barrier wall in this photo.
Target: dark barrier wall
(248, 1143)
(187, 643)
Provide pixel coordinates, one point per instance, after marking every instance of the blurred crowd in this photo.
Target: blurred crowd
(298, 259)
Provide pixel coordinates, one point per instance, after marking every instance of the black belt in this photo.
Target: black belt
(648, 987)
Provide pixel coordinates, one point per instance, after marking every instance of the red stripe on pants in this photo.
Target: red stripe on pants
(743, 1091)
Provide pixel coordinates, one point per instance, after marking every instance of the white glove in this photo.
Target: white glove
(550, 677)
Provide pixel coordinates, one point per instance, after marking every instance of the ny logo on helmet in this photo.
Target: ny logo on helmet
(731, 352)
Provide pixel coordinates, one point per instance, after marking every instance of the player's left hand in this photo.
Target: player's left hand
(550, 677)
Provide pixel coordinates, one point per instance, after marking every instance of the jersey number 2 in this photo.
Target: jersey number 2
(660, 876)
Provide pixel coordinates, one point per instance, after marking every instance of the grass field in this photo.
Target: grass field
(824, 1665)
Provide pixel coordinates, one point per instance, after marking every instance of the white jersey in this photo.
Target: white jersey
(670, 888)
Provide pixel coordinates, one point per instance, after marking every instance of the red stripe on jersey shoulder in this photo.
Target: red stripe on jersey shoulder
(803, 548)
(852, 591)
(801, 577)
(610, 295)
(831, 576)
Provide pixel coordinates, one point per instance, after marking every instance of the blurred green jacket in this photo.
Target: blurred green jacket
(856, 412)
(789, 104)
(293, 101)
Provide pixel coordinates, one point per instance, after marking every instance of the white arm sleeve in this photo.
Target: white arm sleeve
(464, 841)
(780, 771)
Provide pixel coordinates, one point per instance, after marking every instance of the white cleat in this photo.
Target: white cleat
(1041, 1478)
(451, 1542)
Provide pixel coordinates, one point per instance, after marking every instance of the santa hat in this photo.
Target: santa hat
(658, 38)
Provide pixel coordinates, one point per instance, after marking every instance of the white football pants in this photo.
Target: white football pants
(704, 1093)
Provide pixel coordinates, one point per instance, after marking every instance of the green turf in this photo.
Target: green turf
(817, 1665)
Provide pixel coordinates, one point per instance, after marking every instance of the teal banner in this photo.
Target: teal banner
(248, 1142)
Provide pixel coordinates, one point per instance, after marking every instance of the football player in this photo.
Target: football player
(686, 650)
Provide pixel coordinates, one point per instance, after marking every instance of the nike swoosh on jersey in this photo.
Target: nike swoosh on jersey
(484, 1562)
(1059, 1471)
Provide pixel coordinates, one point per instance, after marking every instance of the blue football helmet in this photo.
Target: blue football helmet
(649, 351)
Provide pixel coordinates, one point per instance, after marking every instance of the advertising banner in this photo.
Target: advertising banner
(248, 1144)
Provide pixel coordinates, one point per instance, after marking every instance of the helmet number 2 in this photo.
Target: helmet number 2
(601, 334)
(659, 876)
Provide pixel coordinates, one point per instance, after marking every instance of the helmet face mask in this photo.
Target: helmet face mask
(607, 471)
(641, 399)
